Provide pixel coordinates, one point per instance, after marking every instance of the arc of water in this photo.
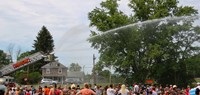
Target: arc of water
(174, 18)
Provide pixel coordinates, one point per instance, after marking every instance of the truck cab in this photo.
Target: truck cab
(7, 81)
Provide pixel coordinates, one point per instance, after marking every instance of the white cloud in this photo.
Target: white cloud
(21, 20)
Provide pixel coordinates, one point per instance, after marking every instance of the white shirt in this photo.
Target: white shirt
(136, 88)
(154, 93)
(110, 91)
(126, 92)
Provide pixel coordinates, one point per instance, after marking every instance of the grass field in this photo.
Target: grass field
(197, 79)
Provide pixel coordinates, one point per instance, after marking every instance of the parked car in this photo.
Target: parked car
(73, 81)
(69, 81)
(48, 81)
(54, 82)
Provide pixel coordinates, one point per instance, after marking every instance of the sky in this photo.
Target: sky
(66, 20)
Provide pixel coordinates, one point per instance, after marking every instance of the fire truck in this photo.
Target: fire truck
(10, 68)
(7, 81)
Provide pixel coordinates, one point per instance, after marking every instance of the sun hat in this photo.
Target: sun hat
(174, 86)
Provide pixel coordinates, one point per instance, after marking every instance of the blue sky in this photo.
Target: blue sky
(21, 20)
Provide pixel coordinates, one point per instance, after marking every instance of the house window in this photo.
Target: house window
(60, 71)
(47, 71)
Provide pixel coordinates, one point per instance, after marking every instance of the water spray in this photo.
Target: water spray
(166, 19)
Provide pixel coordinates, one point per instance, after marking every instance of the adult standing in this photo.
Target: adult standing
(54, 91)
(110, 90)
(154, 91)
(187, 90)
(98, 90)
(136, 88)
(86, 90)
(46, 90)
(123, 90)
(197, 91)
(65, 90)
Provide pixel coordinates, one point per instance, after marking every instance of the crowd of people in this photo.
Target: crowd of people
(88, 89)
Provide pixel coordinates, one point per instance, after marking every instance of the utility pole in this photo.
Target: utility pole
(94, 73)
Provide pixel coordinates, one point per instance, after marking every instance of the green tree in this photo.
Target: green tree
(150, 50)
(44, 41)
(150, 9)
(74, 67)
(4, 59)
(153, 9)
(32, 78)
(105, 18)
(108, 16)
(24, 54)
(19, 77)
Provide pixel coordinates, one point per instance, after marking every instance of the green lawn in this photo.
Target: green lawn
(197, 79)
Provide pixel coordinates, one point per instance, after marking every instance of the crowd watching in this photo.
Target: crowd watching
(88, 89)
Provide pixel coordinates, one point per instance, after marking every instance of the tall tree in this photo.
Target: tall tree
(148, 50)
(44, 41)
(173, 35)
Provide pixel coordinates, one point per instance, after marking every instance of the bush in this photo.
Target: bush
(32, 78)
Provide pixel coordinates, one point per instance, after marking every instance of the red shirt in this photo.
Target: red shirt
(27, 93)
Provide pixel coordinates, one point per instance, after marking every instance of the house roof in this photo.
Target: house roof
(54, 64)
(75, 74)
